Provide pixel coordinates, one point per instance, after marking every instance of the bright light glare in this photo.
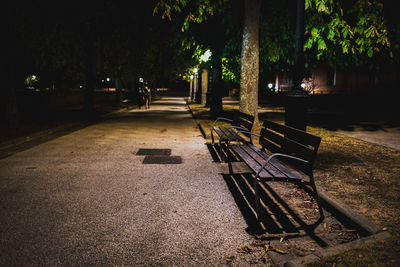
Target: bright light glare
(270, 85)
(195, 70)
(108, 79)
(206, 56)
(303, 85)
(191, 77)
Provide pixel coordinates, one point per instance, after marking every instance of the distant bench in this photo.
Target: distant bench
(297, 150)
(241, 122)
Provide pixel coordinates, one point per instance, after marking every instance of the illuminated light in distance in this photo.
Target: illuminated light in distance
(206, 56)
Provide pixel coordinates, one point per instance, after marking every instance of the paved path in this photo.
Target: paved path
(85, 198)
(383, 135)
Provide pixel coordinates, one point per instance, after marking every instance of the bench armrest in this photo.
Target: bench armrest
(222, 119)
(277, 155)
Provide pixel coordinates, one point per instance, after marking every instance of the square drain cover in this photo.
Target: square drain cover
(154, 151)
(162, 159)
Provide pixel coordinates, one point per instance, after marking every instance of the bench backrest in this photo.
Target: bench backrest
(278, 138)
(243, 120)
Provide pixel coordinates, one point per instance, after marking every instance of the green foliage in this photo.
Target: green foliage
(333, 31)
(342, 33)
(196, 11)
(31, 79)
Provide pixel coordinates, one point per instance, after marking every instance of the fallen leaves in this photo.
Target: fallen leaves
(268, 247)
(245, 249)
(348, 235)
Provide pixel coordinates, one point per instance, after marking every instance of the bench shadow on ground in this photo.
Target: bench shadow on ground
(278, 217)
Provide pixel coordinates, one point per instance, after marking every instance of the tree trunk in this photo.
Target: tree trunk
(216, 90)
(249, 72)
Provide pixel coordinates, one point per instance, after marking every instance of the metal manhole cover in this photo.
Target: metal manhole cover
(153, 151)
(162, 159)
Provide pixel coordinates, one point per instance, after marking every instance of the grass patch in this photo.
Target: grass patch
(362, 175)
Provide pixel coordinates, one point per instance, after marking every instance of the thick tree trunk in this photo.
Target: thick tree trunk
(249, 72)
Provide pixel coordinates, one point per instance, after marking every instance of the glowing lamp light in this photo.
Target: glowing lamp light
(206, 56)
(108, 79)
(270, 85)
(303, 85)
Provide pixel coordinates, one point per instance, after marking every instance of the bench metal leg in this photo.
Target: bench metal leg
(257, 198)
(314, 187)
(212, 136)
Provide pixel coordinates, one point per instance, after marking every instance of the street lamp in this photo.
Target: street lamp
(191, 87)
(195, 83)
(108, 84)
(206, 56)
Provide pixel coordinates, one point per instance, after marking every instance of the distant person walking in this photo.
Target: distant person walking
(140, 97)
(147, 97)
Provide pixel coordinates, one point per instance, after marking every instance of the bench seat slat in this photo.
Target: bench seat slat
(277, 164)
(252, 163)
(275, 172)
(227, 134)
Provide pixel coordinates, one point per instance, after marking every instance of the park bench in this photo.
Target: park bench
(286, 154)
(240, 122)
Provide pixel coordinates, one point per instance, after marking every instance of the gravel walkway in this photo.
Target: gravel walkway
(86, 198)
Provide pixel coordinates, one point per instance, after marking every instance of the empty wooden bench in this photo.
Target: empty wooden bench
(241, 122)
(287, 154)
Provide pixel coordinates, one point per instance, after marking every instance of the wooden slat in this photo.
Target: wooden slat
(297, 135)
(287, 145)
(256, 155)
(244, 115)
(227, 134)
(253, 164)
(298, 150)
(245, 124)
(276, 163)
(268, 145)
(274, 137)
